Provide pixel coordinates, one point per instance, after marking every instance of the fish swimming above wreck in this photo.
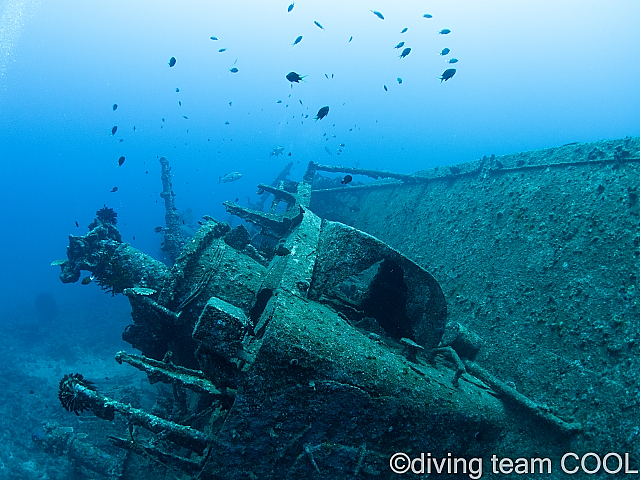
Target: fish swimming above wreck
(276, 151)
(323, 112)
(230, 177)
(447, 74)
(293, 77)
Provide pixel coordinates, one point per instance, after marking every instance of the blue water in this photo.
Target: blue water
(530, 75)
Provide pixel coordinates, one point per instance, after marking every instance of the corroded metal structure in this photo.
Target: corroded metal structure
(310, 359)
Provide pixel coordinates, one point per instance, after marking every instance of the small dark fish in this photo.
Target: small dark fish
(215, 38)
(113, 131)
(226, 123)
(279, 101)
(327, 150)
(86, 281)
(400, 45)
(318, 25)
(222, 50)
(282, 251)
(230, 103)
(115, 106)
(162, 120)
(377, 14)
(289, 153)
(293, 77)
(399, 80)
(342, 144)
(385, 88)
(448, 73)
(404, 30)
(346, 179)
(120, 161)
(177, 89)
(445, 51)
(350, 38)
(114, 189)
(297, 40)
(405, 52)
(301, 102)
(77, 224)
(322, 113)
(172, 61)
(185, 117)
(179, 103)
(134, 129)
(233, 70)
(290, 7)
(444, 31)
(158, 229)
(134, 237)
(427, 15)
(453, 60)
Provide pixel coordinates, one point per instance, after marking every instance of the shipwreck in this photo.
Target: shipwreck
(323, 350)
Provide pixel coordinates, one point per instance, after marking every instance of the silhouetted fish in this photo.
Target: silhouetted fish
(377, 14)
(172, 61)
(290, 7)
(297, 40)
(405, 52)
(114, 130)
(346, 179)
(322, 113)
(318, 25)
(115, 106)
(448, 73)
(293, 77)
(114, 189)
(120, 161)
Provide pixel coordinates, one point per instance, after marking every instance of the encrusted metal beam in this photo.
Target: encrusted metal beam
(104, 407)
(313, 167)
(168, 372)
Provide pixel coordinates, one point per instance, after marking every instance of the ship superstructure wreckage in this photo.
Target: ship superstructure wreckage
(320, 357)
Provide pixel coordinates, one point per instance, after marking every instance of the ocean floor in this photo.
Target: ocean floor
(37, 352)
